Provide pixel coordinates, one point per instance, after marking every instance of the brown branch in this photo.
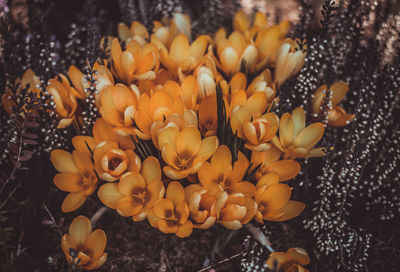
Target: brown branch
(222, 262)
(52, 219)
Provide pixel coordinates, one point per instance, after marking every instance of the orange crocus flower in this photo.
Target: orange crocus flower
(64, 97)
(118, 107)
(250, 123)
(271, 162)
(337, 116)
(135, 63)
(234, 52)
(171, 214)
(160, 105)
(76, 177)
(289, 60)
(136, 193)
(220, 171)
(237, 211)
(273, 199)
(86, 246)
(183, 56)
(111, 161)
(28, 79)
(289, 261)
(184, 151)
(136, 32)
(297, 140)
(205, 203)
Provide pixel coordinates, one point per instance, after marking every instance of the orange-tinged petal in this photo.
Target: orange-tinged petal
(276, 196)
(222, 159)
(112, 116)
(180, 49)
(151, 169)
(68, 182)
(268, 180)
(131, 182)
(134, 162)
(245, 188)
(238, 82)
(286, 129)
(185, 230)
(102, 131)
(128, 206)
(163, 208)
(299, 121)
(229, 59)
(207, 174)
(250, 133)
(188, 142)
(198, 47)
(239, 116)
(207, 148)
(83, 163)
(80, 229)
(286, 169)
(233, 212)
(240, 167)
(169, 155)
(66, 243)
(83, 143)
(233, 225)
(339, 90)
(165, 227)
(96, 243)
(290, 210)
(310, 136)
(63, 161)
(97, 263)
(168, 135)
(175, 192)
(156, 190)
(73, 201)
(109, 194)
(299, 255)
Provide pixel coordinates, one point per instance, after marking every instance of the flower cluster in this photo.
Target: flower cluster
(186, 135)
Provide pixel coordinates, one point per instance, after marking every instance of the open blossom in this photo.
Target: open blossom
(135, 63)
(118, 107)
(64, 97)
(76, 177)
(270, 162)
(83, 247)
(30, 81)
(136, 192)
(234, 52)
(136, 32)
(171, 214)
(182, 55)
(295, 139)
(110, 161)
(289, 261)
(220, 171)
(237, 211)
(250, 124)
(205, 203)
(159, 105)
(337, 116)
(290, 59)
(184, 151)
(273, 199)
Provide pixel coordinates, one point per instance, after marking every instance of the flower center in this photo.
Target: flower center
(113, 163)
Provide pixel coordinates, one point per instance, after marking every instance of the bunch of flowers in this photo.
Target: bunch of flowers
(185, 130)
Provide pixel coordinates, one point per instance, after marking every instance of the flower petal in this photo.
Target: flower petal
(188, 142)
(109, 194)
(291, 210)
(310, 136)
(175, 192)
(73, 201)
(69, 182)
(63, 161)
(96, 243)
(80, 229)
(185, 230)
